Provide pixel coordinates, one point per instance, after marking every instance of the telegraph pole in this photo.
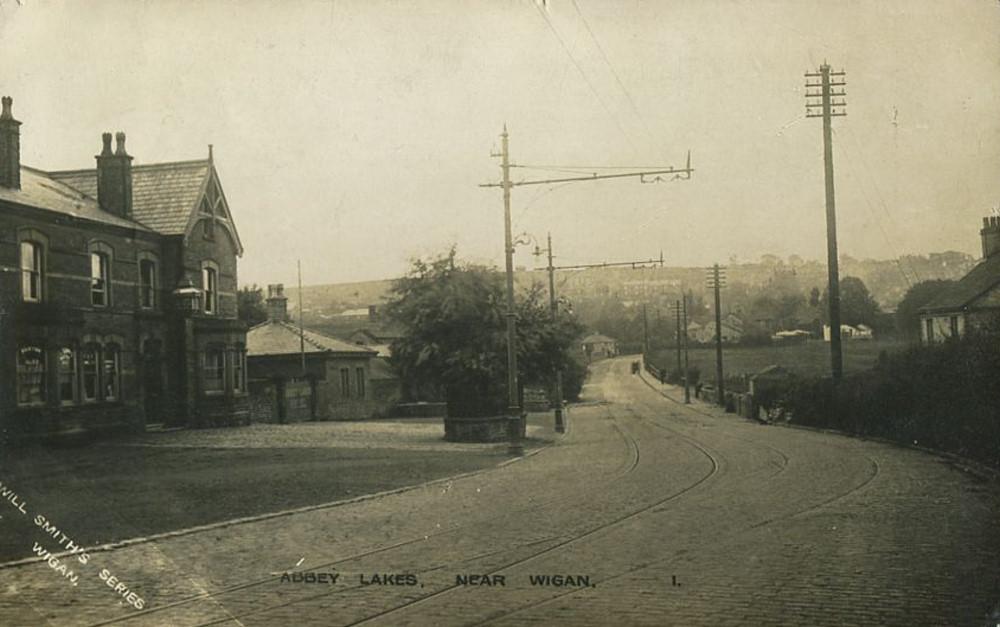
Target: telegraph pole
(677, 310)
(687, 387)
(716, 280)
(645, 333)
(828, 109)
(514, 402)
(553, 305)
(560, 425)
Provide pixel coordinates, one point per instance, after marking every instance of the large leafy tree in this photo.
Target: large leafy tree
(454, 342)
(856, 303)
(250, 305)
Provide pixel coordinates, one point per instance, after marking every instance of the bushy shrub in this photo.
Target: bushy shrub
(945, 396)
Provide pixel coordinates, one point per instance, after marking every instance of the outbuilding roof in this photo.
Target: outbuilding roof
(597, 338)
(282, 338)
(982, 278)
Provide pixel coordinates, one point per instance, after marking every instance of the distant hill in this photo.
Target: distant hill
(887, 280)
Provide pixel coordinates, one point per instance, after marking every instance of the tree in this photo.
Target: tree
(250, 305)
(907, 312)
(856, 304)
(454, 343)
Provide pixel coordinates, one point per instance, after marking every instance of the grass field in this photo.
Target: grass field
(810, 358)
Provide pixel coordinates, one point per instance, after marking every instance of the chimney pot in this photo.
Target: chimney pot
(277, 303)
(6, 114)
(106, 138)
(990, 235)
(120, 143)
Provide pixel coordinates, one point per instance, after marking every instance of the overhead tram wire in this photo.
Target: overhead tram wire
(587, 80)
(878, 192)
(600, 48)
(878, 221)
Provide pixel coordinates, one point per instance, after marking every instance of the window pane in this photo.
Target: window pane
(30, 376)
(98, 279)
(88, 365)
(109, 375)
(31, 271)
(147, 283)
(345, 382)
(208, 283)
(360, 376)
(67, 375)
(215, 371)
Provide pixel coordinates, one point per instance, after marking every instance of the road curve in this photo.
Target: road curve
(665, 514)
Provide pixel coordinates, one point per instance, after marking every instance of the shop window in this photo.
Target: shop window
(214, 371)
(30, 376)
(345, 382)
(929, 325)
(953, 322)
(110, 372)
(67, 381)
(31, 271)
(90, 373)
(360, 381)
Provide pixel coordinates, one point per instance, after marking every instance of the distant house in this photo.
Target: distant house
(732, 330)
(847, 332)
(597, 346)
(339, 380)
(376, 337)
(972, 301)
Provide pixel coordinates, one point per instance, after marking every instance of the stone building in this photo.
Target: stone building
(118, 300)
(300, 375)
(972, 301)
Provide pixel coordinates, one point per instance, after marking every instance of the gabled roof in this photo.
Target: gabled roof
(40, 190)
(163, 194)
(979, 280)
(597, 338)
(282, 338)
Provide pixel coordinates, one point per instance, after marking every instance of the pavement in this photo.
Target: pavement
(647, 512)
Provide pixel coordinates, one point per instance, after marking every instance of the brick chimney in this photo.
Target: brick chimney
(277, 303)
(10, 147)
(114, 177)
(991, 236)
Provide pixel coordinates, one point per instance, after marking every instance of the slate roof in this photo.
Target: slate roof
(163, 194)
(977, 282)
(40, 190)
(282, 338)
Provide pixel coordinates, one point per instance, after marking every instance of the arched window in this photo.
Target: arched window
(30, 375)
(101, 256)
(149, 280)
(90, 375)
(110, 372)
(67, 376)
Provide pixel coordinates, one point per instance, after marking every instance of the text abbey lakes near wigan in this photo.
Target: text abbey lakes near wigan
(72, 555)
(410, 579)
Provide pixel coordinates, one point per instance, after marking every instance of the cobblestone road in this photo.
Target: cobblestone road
(652, 512)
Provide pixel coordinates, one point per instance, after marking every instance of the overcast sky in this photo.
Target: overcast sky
(353, 134)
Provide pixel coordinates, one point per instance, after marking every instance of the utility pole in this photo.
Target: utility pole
(645, 333)
(677, 310)
(302, 332)
(687, 387)
(680, 307)
(553, 305)
(716, 281)
(514, 403)
(828, 109)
